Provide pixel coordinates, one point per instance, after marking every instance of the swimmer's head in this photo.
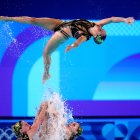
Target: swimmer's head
(18, 130)
(79, 131)
(75, 129)
(99, 39)
(98, 33)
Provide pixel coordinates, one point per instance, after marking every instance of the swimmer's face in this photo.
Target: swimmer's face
(99, 35)
(25, 126)
(97, 30)
(74, 127)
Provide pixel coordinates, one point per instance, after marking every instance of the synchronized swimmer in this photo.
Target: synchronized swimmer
(51, 123)
(80, 29)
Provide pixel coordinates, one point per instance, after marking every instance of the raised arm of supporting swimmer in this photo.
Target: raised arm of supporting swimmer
(128, 20)
(39, 119)
(80, 40)
(42, 106)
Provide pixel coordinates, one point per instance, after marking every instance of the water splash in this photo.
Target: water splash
(9, 32)
(59, 116)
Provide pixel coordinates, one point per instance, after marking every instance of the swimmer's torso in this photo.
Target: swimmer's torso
(76, 28)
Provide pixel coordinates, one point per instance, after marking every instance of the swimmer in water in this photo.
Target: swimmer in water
(80, 29)
(48, 119)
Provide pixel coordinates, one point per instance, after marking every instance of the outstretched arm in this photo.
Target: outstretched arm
(76, 43)
(128, 20)
(48, 23)
(43, 106)
(39, 119)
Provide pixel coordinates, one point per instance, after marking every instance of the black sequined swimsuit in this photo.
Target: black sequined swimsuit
(76, 27)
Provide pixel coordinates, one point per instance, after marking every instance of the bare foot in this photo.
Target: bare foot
(46, 76)
(3, 18)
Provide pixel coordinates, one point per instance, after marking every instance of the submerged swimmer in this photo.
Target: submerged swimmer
(80, 29)
(49, 124)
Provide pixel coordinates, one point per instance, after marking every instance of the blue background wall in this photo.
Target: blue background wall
(105, 76)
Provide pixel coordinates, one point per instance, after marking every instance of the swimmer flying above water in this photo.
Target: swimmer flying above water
(80, 29)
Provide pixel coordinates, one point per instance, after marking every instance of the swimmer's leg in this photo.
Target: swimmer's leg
(47, 23)
(51, 46)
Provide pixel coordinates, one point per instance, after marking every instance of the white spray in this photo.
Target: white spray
(59, 115)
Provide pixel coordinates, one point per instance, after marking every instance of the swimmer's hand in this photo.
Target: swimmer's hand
(80, 40)
(129, 20)
(70, 47)
(44, 105)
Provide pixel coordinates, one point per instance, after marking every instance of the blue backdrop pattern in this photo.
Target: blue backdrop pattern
(107, 75)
